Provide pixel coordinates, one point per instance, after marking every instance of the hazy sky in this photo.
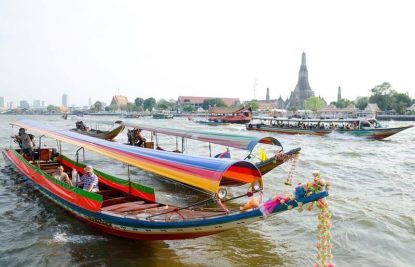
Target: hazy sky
(95, 49)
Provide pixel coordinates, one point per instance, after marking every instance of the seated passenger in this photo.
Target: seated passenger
(89, 180)
(139, 139)
(62, 176)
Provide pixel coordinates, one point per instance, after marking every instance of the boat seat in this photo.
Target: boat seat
(116, 200)
(122, 205)
(136, 208)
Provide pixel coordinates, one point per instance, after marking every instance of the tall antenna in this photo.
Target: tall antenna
(254, 86)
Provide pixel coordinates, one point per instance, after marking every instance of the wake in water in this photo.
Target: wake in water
(75, 239)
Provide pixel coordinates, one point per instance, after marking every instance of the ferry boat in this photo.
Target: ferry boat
(362, 127)
(230, 115)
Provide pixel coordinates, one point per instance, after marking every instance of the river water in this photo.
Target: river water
(372, 200)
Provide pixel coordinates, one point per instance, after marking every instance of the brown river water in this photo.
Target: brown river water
(372, 199)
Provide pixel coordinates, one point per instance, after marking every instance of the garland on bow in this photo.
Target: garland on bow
(324, 245)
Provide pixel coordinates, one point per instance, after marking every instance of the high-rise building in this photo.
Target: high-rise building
(24, 104)
(43, 103)
(36, 103)
(302, 90)
(89, 102)
(65, 100)
(2, 102)
(10, 104)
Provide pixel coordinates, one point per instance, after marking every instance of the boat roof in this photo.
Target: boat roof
(245, 142)
(313, 120)
(201, 172)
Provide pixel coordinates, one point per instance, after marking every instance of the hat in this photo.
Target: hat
(88, 168)
(316, 173)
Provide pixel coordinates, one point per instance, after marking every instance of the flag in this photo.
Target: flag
(262, 155)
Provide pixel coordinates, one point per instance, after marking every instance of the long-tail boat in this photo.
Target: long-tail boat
(242, 142)
(362, 127)
(106, 135)
(230, 114)
(127, 209)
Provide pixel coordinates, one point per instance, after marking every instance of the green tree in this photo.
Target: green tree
(382, 89)
(314, 103)
(361, 103)
(400, 102)
(51, 108)
(253, 104)
(139, 102)
(163, 104)
(214, 102)
(131, 107)
(343, 103)
(189, 108)
(97, 107)
(149, 104)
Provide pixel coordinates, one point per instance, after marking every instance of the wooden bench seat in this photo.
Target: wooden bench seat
(122, 205)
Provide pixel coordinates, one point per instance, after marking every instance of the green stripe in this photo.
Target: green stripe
(142, 188)
(74, 189)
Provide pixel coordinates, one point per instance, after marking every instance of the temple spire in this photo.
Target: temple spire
(339, 93)
(303, 59)
(267, 97)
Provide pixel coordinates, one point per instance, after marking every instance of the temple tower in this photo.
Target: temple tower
(339, 94)
(302, 90)
(267, 97)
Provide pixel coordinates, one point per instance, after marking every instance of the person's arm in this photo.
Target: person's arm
(93, 184)
(67, 180)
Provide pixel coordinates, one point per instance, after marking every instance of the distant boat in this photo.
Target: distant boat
(230, 115)
(362, 127)
(162, 116)
(106, 135)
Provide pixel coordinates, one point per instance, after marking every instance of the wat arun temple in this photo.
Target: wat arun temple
(302, 90)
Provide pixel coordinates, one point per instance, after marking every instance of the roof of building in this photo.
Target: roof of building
(200, 99)
(119, 101)
(372, 107)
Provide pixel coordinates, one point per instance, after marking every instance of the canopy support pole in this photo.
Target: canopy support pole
(77, 160)
(210, 150)
(129, 179)
(38, 152)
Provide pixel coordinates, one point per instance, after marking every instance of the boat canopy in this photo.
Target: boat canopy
(200, 172)
(244, 142)
(314, 120)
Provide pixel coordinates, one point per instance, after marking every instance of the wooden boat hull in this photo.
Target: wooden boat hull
(107, 135)
(133, 227)
(266, 128)
(375, 133)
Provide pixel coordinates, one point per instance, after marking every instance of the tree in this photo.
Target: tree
(149, 104)
(400, 102)
(314, 103)
(343, 103)
(131, 107)
(189, 108)
(51, 108)
(214, 102)
(382, 89)
(138, 102)
(361, 102)
(253, 104)
(97, 107)
(163, 104)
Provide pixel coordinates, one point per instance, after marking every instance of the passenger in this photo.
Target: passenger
(26, 141)
(89, 180)
(138, 138)
(62, 176)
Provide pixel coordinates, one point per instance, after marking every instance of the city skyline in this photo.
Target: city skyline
(44, 52)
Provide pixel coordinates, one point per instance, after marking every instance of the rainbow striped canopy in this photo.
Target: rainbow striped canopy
(245, 142)
(201, 172)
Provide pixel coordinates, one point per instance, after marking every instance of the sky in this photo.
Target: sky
(163, 49)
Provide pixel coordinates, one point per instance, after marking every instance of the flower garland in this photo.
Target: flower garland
(324, 245)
